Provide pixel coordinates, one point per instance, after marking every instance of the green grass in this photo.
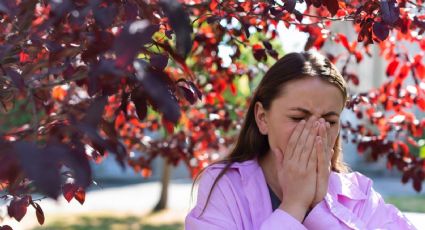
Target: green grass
(168, 220)
(111, 222)
(408, 203)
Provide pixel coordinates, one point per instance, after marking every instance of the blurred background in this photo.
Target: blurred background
(160, 197)
(123, 199)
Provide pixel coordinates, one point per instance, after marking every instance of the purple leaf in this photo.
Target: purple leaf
(18, 207)
(267, 45)
(129, 41)
(8, 163)
(380, 30)
(8, 7)
(331, 5)
(4, 49)
(179, 20)
(155, 84)
(189, 94)
(131, 11)
(139, 98)
(60, 9)
(194, 88)
(5, 227)
(159, 61)
(17, 79)
(389, 11)
(290, 5)
(298, 15)
(105, 16)
(41, 166)
(95, 111)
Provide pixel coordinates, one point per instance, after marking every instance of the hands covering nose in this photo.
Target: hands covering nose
(304, 167)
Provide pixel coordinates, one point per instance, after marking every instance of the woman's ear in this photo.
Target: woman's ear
(260, 118)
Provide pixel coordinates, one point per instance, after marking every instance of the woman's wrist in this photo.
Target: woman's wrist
(296, 211)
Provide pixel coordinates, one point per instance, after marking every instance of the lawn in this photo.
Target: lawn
(408, 203)
(165, 220)
(171, 220)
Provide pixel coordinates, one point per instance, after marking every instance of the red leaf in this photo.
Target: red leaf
(344, 41)
(404, 148)
(80, 195)
(417, 184)
(5, 227)
(353, 78)
(39, 213)
(233, 88)
(359, 56)
(18, 207)
(213, 4)
(392, 67)
(420, 70)
(146, 172)
(404, 71)
(68, 191)
(23, 57)
(421, 103)
(169, 126)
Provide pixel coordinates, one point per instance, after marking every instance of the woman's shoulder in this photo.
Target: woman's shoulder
(236, 171)
(352, 184)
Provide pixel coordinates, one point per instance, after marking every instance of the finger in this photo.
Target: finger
(328, 133)
(321, 155)
(323, 132)
(309, 144)
(321, 159)
(293, 139)
(313, 158)
(303, 137)
(330, 145)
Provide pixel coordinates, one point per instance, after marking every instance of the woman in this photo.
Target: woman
(286, 169)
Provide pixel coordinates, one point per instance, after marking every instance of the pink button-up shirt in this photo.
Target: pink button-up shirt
(241, 200)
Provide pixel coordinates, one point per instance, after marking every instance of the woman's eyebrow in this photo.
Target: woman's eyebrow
(331, 113)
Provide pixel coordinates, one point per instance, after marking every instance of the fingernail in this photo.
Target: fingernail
(302, 122)
(321, 120)
(328, 125)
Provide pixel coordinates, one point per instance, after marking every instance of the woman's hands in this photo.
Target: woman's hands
(324, 156)
(303, 170)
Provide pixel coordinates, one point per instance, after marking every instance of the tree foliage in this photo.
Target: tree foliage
(86, 78)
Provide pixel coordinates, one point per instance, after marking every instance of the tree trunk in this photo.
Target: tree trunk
(165, 181)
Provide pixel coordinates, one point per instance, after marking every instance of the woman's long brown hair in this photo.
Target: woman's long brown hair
(251, 143)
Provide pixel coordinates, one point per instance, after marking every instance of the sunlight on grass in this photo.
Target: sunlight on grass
(164, 220)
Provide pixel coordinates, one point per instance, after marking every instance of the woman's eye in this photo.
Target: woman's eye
(332, 122)
(297, 118)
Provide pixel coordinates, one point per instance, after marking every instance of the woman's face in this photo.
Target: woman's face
(301, 99)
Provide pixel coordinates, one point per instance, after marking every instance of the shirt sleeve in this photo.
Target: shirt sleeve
(280, 219)
(217, 214)
(222, 210)
(370, 213)
(379, 215)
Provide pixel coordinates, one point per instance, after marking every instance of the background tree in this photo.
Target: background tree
(85, 78)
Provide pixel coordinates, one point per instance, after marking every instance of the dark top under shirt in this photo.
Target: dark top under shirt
(276, 202)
